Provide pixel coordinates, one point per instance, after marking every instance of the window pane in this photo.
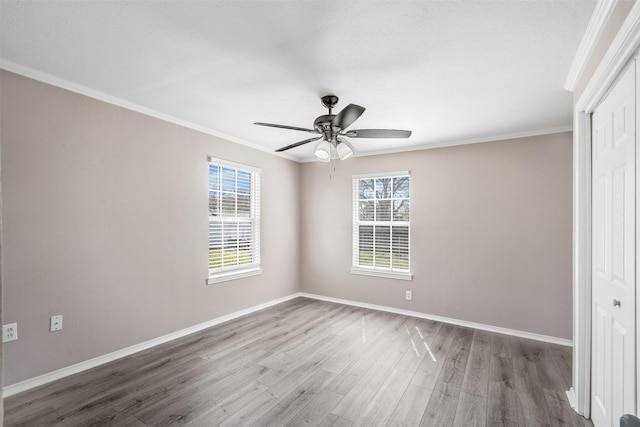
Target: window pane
(382, 236)
(366, 245)
(383, 210)
(213, 203)
(366, 210)
(215, 258)
(230, 244)
(244, 182)
(244, 205)
(215, 235)
(401, 210)
(400, 248)
(228, 179)
(215, 245)
(401, 187)
(366, 236)
(228, 204)
(366, 189)
(244, 243)
(382, 246)
(383, 188)
(214, 177)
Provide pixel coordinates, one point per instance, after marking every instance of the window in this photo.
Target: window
(234, 221)
(381, 227)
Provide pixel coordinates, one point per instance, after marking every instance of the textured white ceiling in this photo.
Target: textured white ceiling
(450, 71)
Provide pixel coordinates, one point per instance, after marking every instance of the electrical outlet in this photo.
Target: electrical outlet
(408, 295)
(10, 332)
(56, 323)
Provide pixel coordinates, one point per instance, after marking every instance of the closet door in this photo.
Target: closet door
(613, 254)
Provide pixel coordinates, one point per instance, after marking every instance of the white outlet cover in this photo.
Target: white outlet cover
(10, 332)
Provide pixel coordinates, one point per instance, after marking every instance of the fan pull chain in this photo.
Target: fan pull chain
(332, 162)
(332, 169)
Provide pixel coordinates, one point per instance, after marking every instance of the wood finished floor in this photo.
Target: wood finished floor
(307, 362)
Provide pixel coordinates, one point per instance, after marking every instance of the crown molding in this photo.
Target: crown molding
(119, 102)
(592, 34)
(622, 49)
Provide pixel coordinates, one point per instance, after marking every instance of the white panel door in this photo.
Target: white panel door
(613, 254)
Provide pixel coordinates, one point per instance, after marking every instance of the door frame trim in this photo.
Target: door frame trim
(622, 50)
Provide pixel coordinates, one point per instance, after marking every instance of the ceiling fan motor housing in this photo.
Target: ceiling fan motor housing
(323, 125)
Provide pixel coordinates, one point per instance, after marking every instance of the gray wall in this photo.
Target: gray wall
(490, 236)
(105, 222)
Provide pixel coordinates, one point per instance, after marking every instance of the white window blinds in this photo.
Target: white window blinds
(234, 220)
(381, 227)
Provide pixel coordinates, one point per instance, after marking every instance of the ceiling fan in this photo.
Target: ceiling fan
(331, 129)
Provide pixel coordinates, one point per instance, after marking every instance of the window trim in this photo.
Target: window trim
(382, 273)
(225, 276)
(238, 272)
(387, 273)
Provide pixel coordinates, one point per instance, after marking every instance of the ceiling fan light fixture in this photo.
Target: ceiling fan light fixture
(344, 149)
(323, 151)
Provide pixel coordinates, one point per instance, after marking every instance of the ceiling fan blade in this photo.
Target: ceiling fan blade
(347, 116)
(286, 127)
(378, 133)
(298, 144)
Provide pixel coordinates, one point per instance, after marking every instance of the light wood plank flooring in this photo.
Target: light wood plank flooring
(314, 363)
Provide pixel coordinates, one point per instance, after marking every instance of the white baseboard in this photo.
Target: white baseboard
(497, 329)
(571, 397)
(100, 360)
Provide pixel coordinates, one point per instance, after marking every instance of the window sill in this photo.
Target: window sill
(385, 274)
(233, 275)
